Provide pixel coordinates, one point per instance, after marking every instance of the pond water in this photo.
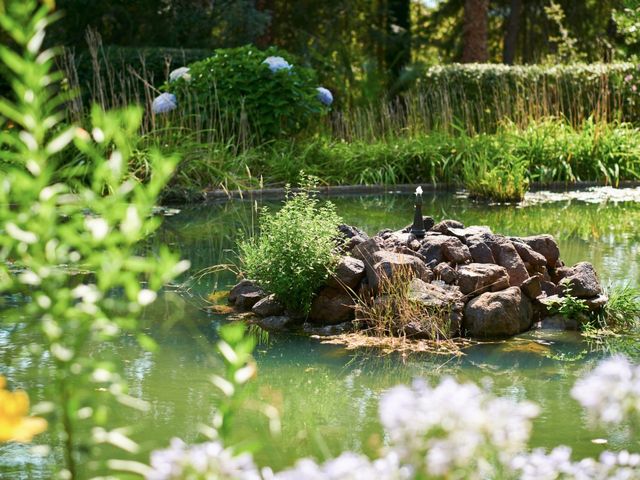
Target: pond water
(326, 395)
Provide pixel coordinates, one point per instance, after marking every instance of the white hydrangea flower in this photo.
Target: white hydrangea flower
(164, 103)
(325, 96)
(453, 427)
(277, 63)
(200, 462)
(182, 72)
(348, 466)
(611, 392)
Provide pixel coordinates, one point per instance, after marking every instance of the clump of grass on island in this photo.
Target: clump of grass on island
(393, 312)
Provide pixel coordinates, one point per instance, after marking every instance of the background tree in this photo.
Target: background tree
(475, 32)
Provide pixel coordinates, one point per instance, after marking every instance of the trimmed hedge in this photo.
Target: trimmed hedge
(482, 95)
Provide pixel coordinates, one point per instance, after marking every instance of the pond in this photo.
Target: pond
(326, 395)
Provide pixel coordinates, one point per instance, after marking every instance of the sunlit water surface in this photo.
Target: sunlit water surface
(327, 396)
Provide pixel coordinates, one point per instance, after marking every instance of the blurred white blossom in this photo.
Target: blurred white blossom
(611, 392)
(454, 427)
(539, 465)
(200, 462)
(348, 466)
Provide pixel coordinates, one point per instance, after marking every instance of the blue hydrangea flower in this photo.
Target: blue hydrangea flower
(277, 63)
(325, 96)
(164, 103)
(180, 73)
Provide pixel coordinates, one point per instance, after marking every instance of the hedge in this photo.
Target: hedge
(481, 95)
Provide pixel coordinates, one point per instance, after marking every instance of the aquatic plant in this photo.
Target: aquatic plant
(294, 252)
(622, 311)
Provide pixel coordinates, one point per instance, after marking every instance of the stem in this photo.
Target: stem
(68, 429)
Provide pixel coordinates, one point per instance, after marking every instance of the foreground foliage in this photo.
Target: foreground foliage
(70, 249)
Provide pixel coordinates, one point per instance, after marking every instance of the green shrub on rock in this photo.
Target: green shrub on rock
(260, 92)
(295, 251)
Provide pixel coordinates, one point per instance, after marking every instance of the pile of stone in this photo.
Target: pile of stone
(493, 286)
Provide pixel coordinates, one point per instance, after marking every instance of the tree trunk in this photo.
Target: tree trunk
(266, 39)
(398, 51)
(512, 31)
(476, 25)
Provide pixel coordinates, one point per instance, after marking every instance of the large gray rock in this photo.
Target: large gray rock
(351, 237)
(533, 261)
(455, 251)
(582, 281)
(477, 278)
(332, 306)
(399, 238)
(246, 294)
(498, 314)
(445, 272)
(348, 274)
(506, 256)
(431, 248)
(389, 265)
(275, 323)
(464, 233)
(546, 246)
(445, 225)
(532, 287)
(365, 250)
(480, 251)
(268, 307)
(442, 300)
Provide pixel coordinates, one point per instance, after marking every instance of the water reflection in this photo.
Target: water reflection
(328, 396)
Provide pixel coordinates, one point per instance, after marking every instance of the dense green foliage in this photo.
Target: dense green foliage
(543, 152)
(242, 94)
(295, 251)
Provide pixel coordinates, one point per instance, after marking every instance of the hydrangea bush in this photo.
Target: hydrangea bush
(266, 93)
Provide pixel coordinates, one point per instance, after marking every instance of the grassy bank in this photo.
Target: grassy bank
(492, 164)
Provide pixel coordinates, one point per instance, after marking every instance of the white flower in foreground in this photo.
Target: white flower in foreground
(348, 466)
(277, 63)
(178, 73)
(200, 462)
(611, 392)
(97, 226)
(325, 96)
(454, 427)
(558, 465)
(164, 103)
